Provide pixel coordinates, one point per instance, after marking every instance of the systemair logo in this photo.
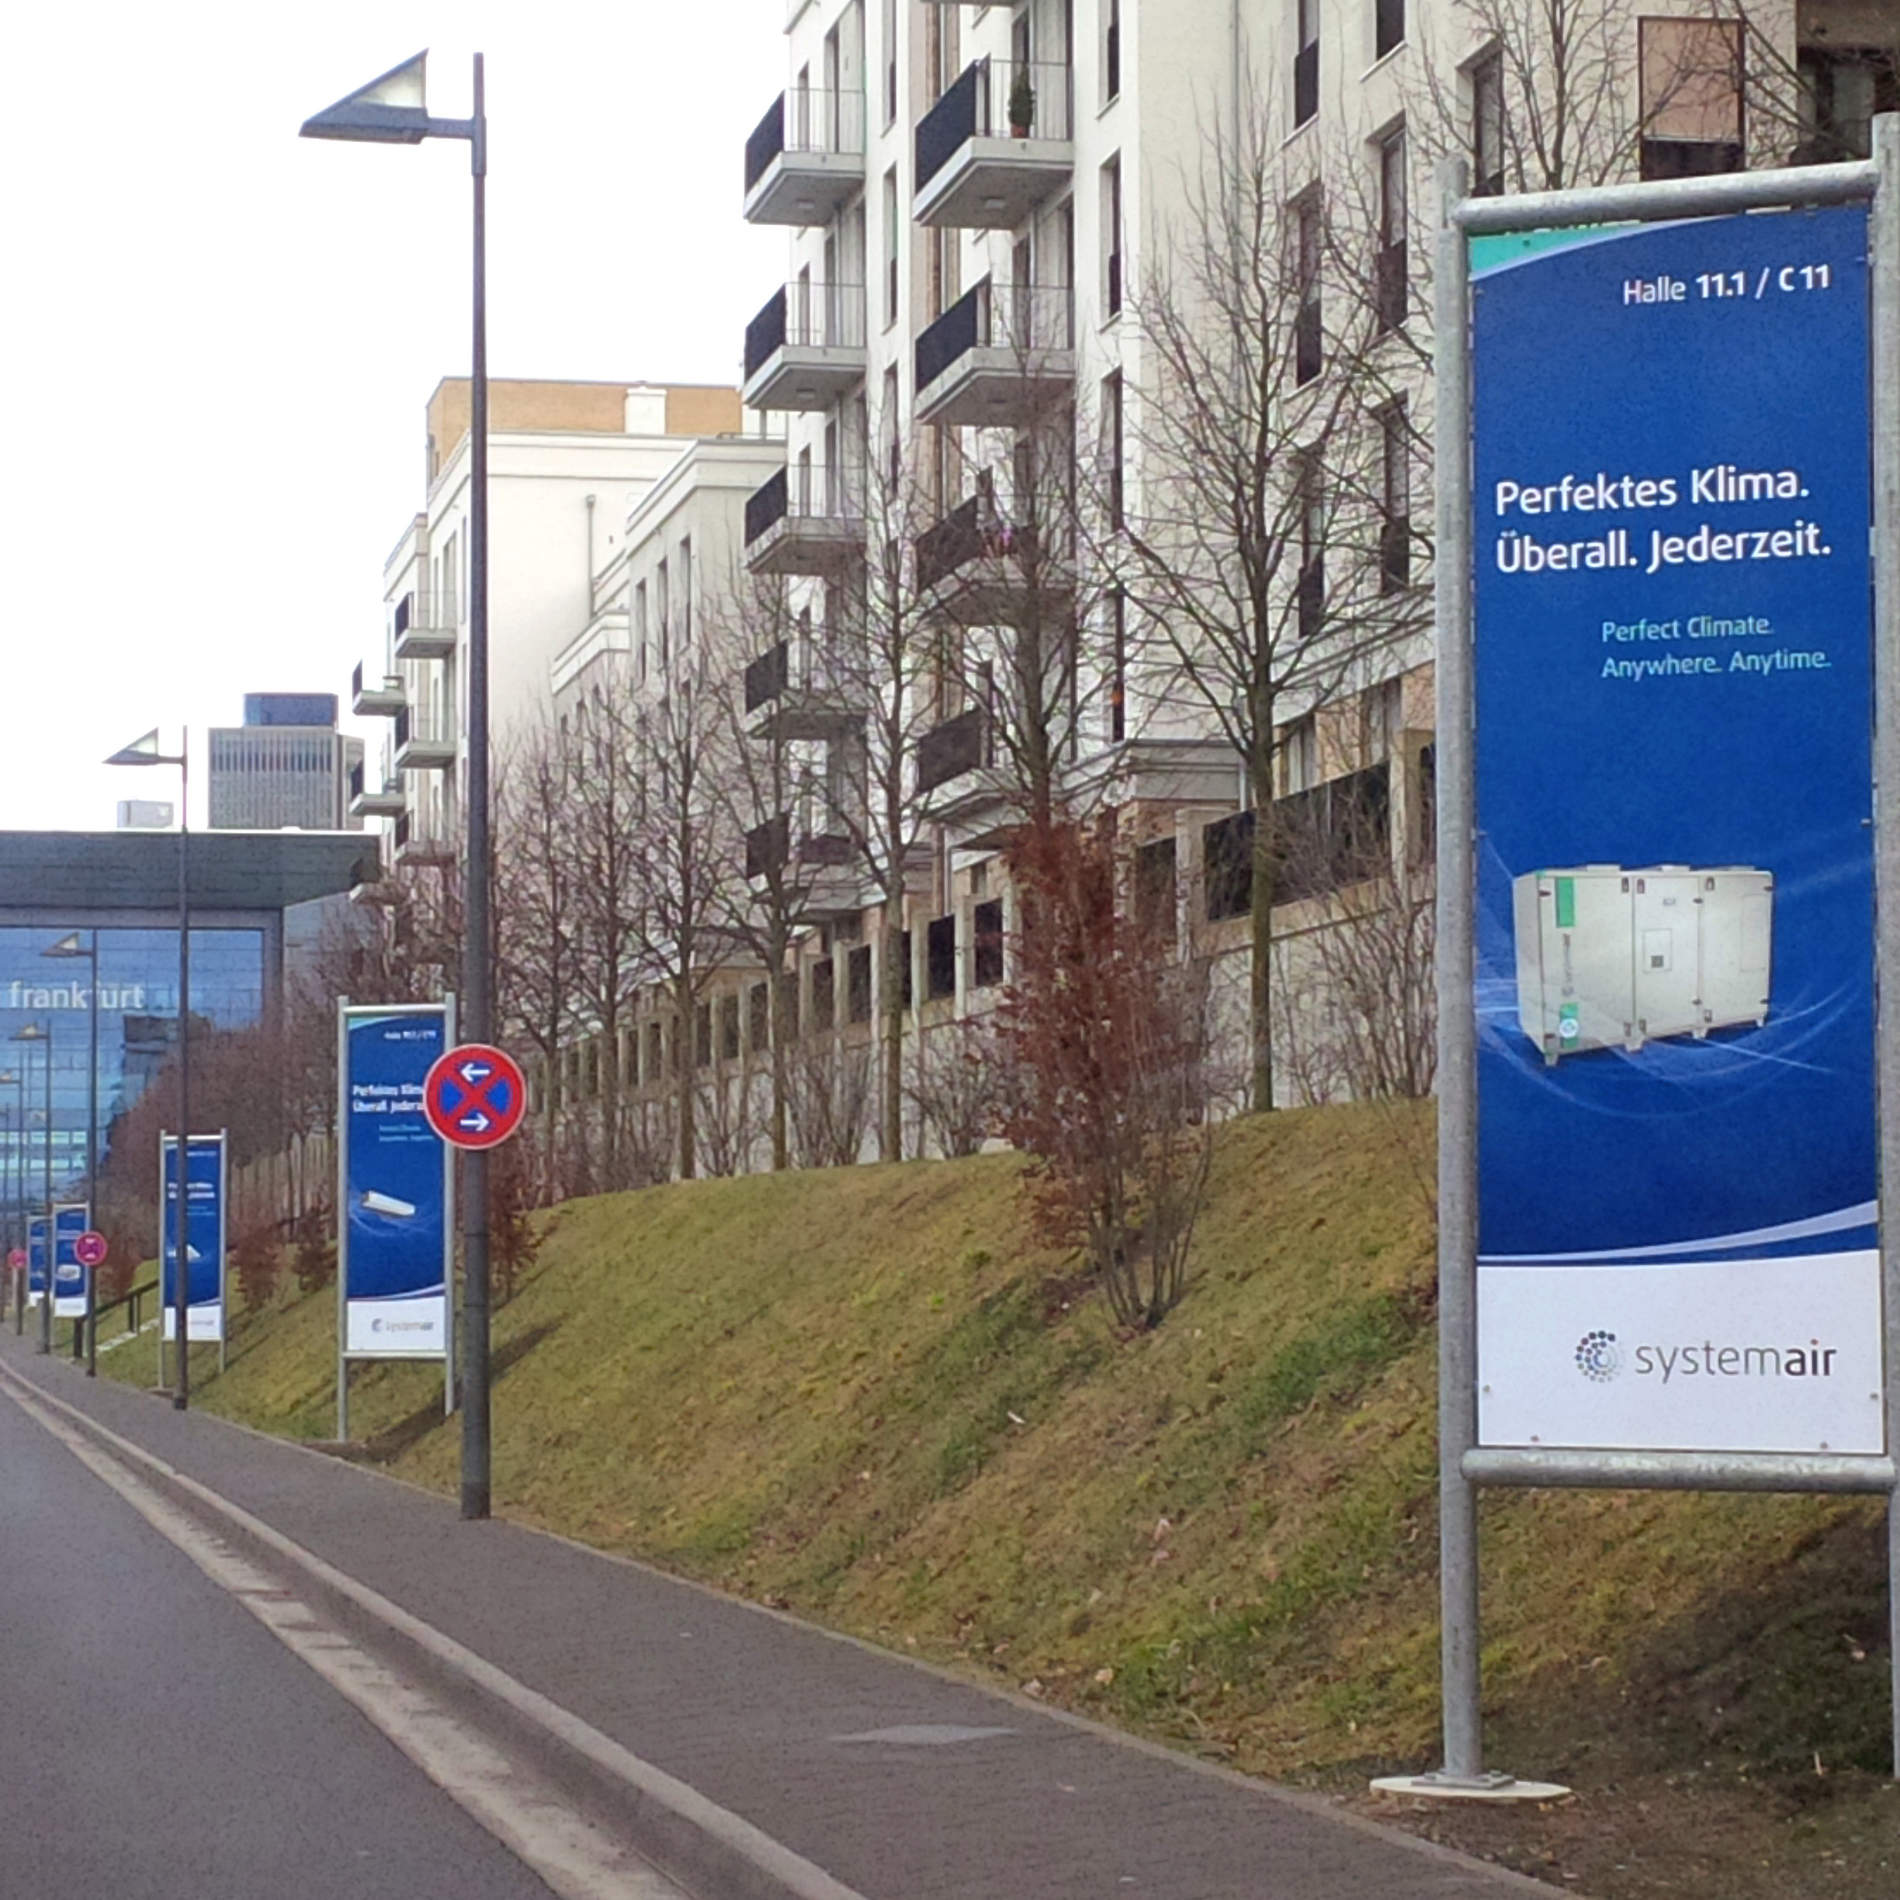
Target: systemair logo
(1598, 1358)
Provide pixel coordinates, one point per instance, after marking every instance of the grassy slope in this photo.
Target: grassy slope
(862, 1394)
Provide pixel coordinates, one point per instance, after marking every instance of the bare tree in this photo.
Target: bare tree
(1256, 531)
(956, 1085)
(831, 1099)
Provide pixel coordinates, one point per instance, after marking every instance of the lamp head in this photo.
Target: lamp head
(390, 110)
(33, 1032)
(68, 946)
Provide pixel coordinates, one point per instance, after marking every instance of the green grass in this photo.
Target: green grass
(866, 1394)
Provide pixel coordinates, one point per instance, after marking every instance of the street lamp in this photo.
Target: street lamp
(145, 752)
(392, 110)
(69, 946)
(15, 1186)
(43, 1032)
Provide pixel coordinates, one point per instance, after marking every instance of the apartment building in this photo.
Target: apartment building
(564, 458)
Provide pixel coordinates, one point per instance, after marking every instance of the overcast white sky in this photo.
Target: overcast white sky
(220, 337)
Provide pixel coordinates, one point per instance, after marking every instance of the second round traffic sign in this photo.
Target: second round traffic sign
(475, 1096)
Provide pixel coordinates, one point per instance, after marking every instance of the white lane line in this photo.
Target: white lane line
(578, 1860)
(800, 1878)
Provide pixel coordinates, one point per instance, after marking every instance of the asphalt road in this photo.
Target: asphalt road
(158, 1743)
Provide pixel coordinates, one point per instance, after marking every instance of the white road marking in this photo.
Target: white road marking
(578, 1860)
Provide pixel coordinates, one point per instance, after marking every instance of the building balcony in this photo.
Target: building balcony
(956, 769)
(805, 159)
(414, 850)
(802, 521)
(419, 747)
(985, 571)
(792, 691)
(425, 628)
(817, 869)
(366, 803)
(1001, 357)
(981, 166)
(370, 700)
(805, 349)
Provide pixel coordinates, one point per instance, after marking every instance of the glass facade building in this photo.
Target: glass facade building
(137, 1004)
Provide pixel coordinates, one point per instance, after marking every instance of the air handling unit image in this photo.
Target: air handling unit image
(1614, 958)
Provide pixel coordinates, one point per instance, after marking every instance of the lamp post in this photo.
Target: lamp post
(392, 110)
(43, 1032)
(6, 1187)
(69, 946)
(145, 752)
(16, 1186)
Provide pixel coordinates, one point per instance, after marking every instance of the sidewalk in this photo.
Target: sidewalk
(974, 1797)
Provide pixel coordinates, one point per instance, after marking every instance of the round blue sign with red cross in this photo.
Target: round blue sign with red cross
(475, 1096)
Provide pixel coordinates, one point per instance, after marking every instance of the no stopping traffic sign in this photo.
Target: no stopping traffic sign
(475, 1096)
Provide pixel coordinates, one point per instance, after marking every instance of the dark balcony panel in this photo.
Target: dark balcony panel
(1395, 554)
(944, 548)
(403, 609)
(766, 143)
(1113, 59)
(1332, 835)
(949, 123)
(1305, 83)
(765, 333)
(765, 507)
(987, 958)
(767, 677)
(827, 850)
(356, 773)
(356, 682)
(824, 995)
(1390, 288)
(857, 985)
(1309, 341)
(1227, 866)
(767, 846)
(906, 989)
(954, 334)
(940, 958)
(1388, 27)
(957, 746)
(402, 739)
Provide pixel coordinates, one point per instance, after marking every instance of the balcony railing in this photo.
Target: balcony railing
(805, 121)
(971, 530)
(767, 506)
(1025, 320)
(425, 626)
(806, 347)
(957, 746)
(983, 103)
(768, 677)
(1305, 83)
(1325, 838)
(804, 520)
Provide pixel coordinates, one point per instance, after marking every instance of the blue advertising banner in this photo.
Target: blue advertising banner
(35, 1259)
(70, 1220)
(393, 1239)
(204, 1238)
(1675, 950)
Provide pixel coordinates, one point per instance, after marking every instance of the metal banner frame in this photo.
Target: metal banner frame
(1463, 1465)
(167, 1230)
(346, 1013)
(39, 1239)
(63, 1306)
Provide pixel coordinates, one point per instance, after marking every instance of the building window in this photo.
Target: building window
(988, 959)
(1113, 451)
(1382, 720)
(1487, 126)
(1309, 337)
(686, 590)
(1310, 588)
(1154, 890)
(1111, 50)
(758, 1027)
(655, 1066)
(640, 632)
(1842, 88)
(1299, 756)
(1117, 663)
(729, 1028)
(1306, 61)
(1692, 74)
(890, 246)
(1395, 500)
(824, 995)
(1389, 289)
(1112, 236)
(940, 958)
(1227, 867)
(857, 984)
(890, 62)
(906, 987)
(663, 614)
(1388, 27)
(702, 1035)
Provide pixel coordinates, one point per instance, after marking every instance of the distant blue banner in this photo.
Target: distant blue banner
(1675, 906)
(35, 1259)
(69, 1277)
(204, 1239)
(394, 1233)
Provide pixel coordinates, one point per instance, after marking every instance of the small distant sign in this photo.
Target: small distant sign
(91, 1248)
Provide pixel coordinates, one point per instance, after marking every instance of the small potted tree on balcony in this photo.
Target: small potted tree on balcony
(1022, 105)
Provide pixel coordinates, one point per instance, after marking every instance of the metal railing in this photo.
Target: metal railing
(422, 728)
(131, 1299)
(994, 98)
(424, 609)
(803, 120)
(970, 530)
(1028, 320)
(804, 315)
(805, 491)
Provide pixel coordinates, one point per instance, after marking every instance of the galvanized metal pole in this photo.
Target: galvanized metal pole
(91, 1318)
(46, 1166)
(1886, 553)
(1457, 1058)
(181, 1391)
(475, 985)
